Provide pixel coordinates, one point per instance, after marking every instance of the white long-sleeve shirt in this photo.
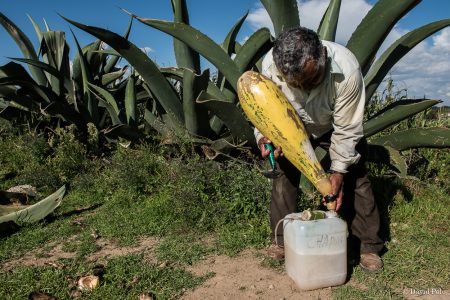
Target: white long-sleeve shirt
(337, 103)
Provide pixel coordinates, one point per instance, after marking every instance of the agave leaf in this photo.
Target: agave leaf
(44, 66)
(373, 29)
(10, 113)
(229, 46)
(254, 48)
(398, 161)
(108, 78)
(55, 52)
(22, 100)
(108, 101)
(67, 83)
(94, 58)
(222, 146)
(394, 113)
(328, 24)
(42, 93)
(110, 65)
(231, 115)
(108, 52)
(283, 13)
(13, 69)
(173, 73)
(158, 85)
(130, 102)
(91, 104)
(58, 79)
(46, 25)
(195, 116)
(388, 156)
(200, 43)
(230, 40)
(76, 62)
(93, 55)
(25, 46)
(157, 124)
(6, 91)
(396, 51)
(185, 56)
(36, 28)
(433, 137)
(32, 213)
(215, 123)
(178, 74)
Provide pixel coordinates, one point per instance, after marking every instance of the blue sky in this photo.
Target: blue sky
(425, 71)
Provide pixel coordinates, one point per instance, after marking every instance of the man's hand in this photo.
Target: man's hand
(265, 152)
(337, 180)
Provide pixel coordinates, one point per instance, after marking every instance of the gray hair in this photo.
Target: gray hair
(300, 56)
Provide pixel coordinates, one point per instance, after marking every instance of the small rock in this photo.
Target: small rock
(271, 287)
(94, 234)
(145, 297)
(163, 265)
(88, 282)
(25, 189)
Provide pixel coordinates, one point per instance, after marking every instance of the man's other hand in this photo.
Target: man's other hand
(337, 180)
(265, 152)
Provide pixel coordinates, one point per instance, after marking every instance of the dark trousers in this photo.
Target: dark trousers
(358, 208)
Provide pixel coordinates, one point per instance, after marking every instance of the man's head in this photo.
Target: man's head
(300, 57)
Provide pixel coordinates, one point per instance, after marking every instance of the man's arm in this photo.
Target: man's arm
(347, 123)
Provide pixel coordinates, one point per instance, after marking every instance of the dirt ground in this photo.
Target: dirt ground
(244, 277)
(241, 277)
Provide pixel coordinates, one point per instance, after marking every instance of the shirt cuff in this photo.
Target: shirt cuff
(258, 136)
(338, 166)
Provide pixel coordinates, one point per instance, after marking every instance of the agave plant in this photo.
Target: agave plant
(364, 43)
(96, 91)
(205, 108)
(186, 101)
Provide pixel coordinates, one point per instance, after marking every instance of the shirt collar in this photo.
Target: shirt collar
(334, 67)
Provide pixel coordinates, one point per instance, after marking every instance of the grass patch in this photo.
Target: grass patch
(138, 192)
(125, 277)
(183, 249)
(417, 250)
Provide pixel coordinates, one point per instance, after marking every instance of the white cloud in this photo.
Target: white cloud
(259, 18)
(442, 41)
(311, 12)
(147, 50)
(424, 71)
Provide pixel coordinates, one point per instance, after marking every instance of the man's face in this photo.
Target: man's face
(311, 78)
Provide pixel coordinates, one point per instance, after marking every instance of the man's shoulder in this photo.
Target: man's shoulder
(270, 70)
(268, 64)
(343, 57)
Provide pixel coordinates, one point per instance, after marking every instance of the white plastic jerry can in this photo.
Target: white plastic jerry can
(315, 251)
